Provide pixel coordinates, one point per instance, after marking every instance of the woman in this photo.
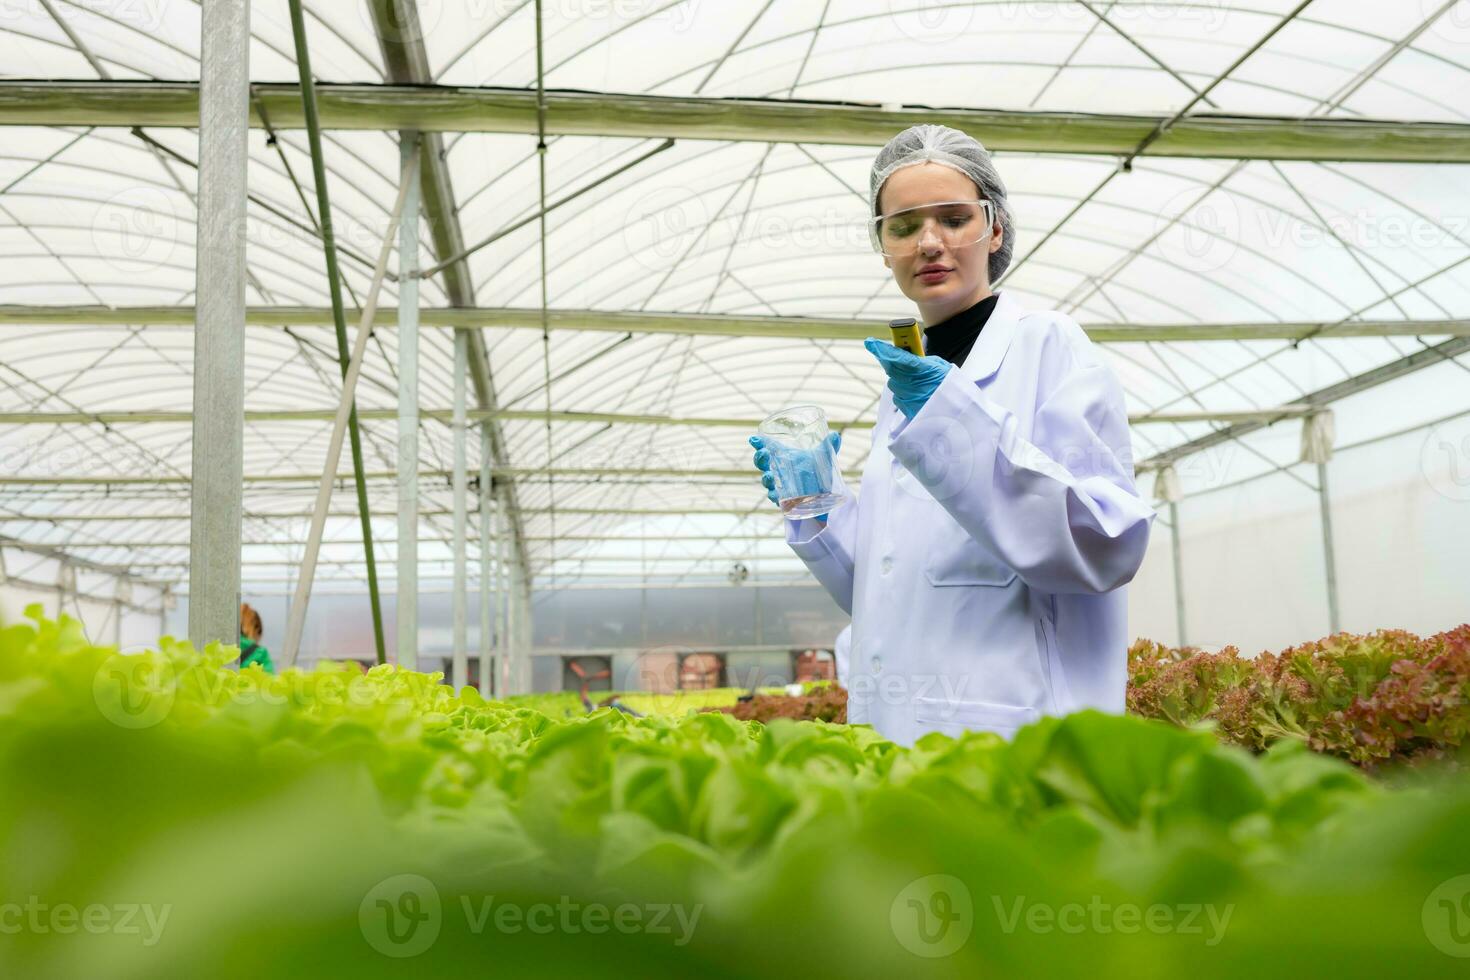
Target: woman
(997, 522)
(251, 630)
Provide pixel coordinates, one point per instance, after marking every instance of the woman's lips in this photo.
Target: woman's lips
(934, 276)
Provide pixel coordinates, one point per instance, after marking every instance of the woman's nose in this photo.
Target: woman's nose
(929, 241)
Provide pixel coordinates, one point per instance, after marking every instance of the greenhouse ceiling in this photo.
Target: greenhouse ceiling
(1260, 209)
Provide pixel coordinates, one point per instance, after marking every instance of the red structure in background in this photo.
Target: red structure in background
(814, 665)
(702, 671)
(587, 673)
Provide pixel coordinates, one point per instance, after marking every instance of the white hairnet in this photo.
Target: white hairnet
(952, 148)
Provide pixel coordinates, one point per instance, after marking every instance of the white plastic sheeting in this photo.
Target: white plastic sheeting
(98, 217)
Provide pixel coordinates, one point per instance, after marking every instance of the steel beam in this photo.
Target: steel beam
(512, 627)
(712, 324)
(458, 109)
(1176, 548)
(541, 563)
(1329, 555)
(610, 418)
(459, 480)
(154, 544)
(515, 473)
(611, 580)
(408, 408)
(1383, 374)
(70, 518)
(216, 501)
(486, 519)
(59, 552)
(429, 414)
(401, 41)
(525, 627)
(344, 417)
(502, 611)
(307, 100)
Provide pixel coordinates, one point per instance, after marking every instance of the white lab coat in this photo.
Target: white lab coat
(985, 557)
(842, 654)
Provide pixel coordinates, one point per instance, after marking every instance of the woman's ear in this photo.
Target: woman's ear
(997, 237)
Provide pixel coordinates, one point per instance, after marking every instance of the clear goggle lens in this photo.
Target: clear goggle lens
(957, 223)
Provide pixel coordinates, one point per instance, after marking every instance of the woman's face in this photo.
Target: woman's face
(966, 270)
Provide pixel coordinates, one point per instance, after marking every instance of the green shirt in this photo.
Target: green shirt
(253, 653)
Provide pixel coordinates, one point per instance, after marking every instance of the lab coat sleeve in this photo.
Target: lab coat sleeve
(828, 550)
(1062, 510)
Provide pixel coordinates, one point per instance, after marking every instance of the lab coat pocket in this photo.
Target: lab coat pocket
(944, 714)
(958, 559)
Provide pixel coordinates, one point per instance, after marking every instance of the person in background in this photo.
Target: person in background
(251, 630)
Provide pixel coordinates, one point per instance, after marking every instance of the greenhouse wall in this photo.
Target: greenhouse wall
(758, 626)
(1254, 573)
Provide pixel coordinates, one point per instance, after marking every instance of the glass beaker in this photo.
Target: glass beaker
(803, 462)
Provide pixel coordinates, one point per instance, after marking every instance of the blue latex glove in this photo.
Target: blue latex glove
(912, 379)
(806, 469)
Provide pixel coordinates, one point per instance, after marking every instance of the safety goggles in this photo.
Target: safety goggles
(957, 223)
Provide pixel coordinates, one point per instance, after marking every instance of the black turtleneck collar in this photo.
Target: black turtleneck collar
(952, 339)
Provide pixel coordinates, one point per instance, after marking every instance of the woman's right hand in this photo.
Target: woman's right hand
(762, 461)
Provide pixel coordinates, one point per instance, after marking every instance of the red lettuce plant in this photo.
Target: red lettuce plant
(1384, 697)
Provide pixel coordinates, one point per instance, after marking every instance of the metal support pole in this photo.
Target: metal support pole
(513, 626)
(503, 550)
(512, 630)
(487, 518)
(215, 504)
(334, 284)
(346, 412)
(461, 383)
(1178, 573)
(1334, 618)
(527, 638)
(530, 627)
(408, 412)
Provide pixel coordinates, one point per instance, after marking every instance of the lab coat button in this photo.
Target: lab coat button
(877, 663)
(887, 565)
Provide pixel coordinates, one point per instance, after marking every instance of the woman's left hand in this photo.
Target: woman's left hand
(912, 379)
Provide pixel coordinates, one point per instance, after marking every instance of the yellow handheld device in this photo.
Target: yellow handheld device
(907, 336)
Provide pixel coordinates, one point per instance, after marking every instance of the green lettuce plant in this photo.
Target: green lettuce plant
(333, 824)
